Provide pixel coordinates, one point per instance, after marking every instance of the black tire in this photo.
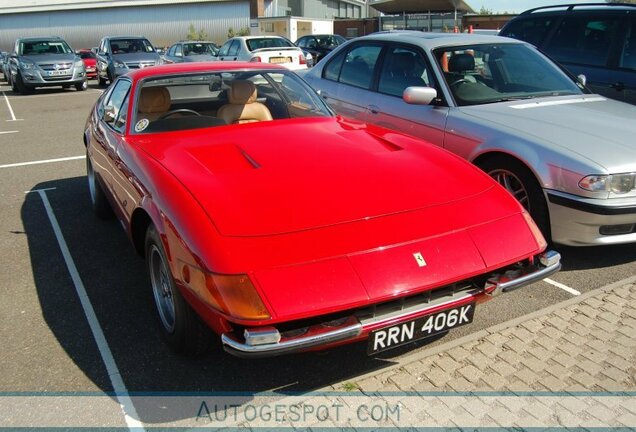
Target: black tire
(110, 76)
(21, 87)
(515, 177)
(181, 328)
(101, 81)
(99, 202)
(81, 86)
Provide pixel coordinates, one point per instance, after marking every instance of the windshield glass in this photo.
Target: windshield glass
(254, 44)
(200, 48)
(87, 55)
(330, 41)
(126, 46)
(34, 47)
(489, 73)
(212, 99)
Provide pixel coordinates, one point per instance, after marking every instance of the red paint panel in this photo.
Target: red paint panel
(394, 271)
(309, 289)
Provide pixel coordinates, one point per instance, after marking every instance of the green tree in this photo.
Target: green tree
(194, 35)
(484, 11)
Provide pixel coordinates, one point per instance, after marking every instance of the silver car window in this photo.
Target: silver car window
(402, 68)
(359, 65)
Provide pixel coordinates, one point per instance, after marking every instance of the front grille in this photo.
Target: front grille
(55, 66)
(416, 302)
(139, 65)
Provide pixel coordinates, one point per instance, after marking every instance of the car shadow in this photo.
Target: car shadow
(595, 257)
(116, 283)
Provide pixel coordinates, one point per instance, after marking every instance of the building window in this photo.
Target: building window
(352, 32)
(268, 27)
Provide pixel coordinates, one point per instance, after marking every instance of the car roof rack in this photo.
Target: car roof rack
(569, 7)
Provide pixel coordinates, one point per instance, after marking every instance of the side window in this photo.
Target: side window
(402, 68)
(302, 42)
(171, 50)
(178, 51)
(225, 48)
(234, 48)
(533, 30)
(359, 64)
(628, 53)
(118, 99)
(332, 70)
(583, 39)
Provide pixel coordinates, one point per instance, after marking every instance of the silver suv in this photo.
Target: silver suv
(44, 62)
(118, 55)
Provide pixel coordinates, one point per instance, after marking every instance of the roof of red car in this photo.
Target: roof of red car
(212, 66)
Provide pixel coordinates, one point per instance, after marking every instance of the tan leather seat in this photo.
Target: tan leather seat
(243, 107)
(153, 102)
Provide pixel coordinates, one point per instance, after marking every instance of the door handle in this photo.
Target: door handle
(373, 109)
(618, 86)
(324, 94)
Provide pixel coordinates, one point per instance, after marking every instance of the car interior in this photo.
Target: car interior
(208, 100)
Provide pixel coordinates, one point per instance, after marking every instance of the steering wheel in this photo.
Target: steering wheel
(179, 111)
(459, 81)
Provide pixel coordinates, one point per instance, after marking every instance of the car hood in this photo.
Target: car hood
(135, 57)
(50, 58)
(288, 176)
(596, 128)
(199, 58)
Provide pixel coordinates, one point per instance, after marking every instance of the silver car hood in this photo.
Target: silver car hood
(136, 57)
(599, 129)
(50, 58)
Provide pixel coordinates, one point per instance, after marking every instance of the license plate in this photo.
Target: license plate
(420, 328)
(279, 60)
(58, 73)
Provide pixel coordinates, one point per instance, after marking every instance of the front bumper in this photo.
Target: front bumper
(577, 221)
(358, 326)
(38, 78)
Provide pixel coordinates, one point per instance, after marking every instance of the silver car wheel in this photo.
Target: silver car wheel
(162, 288)
(513, 184)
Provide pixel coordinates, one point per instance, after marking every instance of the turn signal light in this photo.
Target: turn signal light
(535, 231)
(302, 59)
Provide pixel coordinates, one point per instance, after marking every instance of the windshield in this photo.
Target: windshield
(126, 46)
(254, 44)
(87, 55)
(200, 48)
(488, 73)
(35, 47)
(330, 41)
(193, 101)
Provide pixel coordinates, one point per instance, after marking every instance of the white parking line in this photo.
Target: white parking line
(121, 393)
(45, 161)
(57, 94)
(8, 132)
(6, 99)
(563, 287)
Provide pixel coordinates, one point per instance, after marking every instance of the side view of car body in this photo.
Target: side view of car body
(595, 40)
(118, 55)
(191, 51)
(567, 155)
(90, 62)
(263, 49)
(320, 45)
(282, 227)
(44, 62)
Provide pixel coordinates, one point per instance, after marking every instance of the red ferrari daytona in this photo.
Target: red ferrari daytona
(269, 221)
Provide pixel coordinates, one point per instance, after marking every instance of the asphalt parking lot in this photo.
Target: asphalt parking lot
(47, 343)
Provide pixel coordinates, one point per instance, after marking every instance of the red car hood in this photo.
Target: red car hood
(287, 176)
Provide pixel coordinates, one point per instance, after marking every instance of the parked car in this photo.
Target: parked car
(594, 40)
(4, 57)
(320, 45)
(263, 49)
(191, 51)
(118, 55)
(44, 62)
(282, 227)
(90, 62)
(568, 156)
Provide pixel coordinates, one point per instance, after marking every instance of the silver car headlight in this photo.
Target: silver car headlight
(119, 64)
(79, 64)
(616, 183)
(27, 65)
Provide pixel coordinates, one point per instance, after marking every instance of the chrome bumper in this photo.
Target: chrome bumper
(550, 263)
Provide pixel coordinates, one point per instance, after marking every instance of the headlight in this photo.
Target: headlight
(119, 64)
(616, 183)
(27, 65)
(79, 63)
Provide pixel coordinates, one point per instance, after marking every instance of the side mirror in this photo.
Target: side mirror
(582, 79)
(419, 95)
(109, 114)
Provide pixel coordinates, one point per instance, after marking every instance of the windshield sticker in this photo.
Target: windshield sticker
(141, 125)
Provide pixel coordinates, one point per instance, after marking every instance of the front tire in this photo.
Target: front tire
(22, 88)
(81, 86)
(99, 202)
(517, 179)
(180, 326)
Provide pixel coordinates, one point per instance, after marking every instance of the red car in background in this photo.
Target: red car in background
(281, 227)
(90, 62)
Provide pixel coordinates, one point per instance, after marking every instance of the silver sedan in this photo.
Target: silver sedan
(567, 155)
